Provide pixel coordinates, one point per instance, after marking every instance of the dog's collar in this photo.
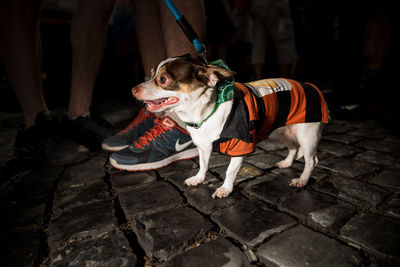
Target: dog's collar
(225, 90)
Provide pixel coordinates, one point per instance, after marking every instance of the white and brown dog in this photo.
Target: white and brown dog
(232, 117)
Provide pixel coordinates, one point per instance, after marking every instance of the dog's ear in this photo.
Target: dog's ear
(211, 74)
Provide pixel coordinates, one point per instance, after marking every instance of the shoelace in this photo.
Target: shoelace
(158, 129)
(143, 114)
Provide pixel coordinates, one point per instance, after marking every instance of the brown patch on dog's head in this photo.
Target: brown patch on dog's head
(187, 74)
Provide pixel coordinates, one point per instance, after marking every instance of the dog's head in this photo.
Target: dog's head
(178, 81)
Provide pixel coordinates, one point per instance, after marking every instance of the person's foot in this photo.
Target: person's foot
(163, 144)
(45, 142)
(89, 130)
(143, 122)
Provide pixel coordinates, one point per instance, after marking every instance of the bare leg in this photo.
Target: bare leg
(377, 35)
(19, 50)
(88, 36)
(176, 42)
(149, 33)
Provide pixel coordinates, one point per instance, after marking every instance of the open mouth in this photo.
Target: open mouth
(159, 103)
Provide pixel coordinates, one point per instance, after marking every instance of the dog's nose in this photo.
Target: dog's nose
(135, 90)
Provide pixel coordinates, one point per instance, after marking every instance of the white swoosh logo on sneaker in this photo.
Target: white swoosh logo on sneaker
(180, 147)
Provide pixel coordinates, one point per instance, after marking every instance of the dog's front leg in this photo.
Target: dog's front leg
(204, 158)
(231, 173)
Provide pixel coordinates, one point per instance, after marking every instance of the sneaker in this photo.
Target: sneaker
(163, 144)
(45, 142)
(143, 122)
(89, 131)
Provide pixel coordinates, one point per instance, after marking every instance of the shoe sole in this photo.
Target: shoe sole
(187, 154)
(112, 148)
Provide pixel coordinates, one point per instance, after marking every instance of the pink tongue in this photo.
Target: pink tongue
(157, 101)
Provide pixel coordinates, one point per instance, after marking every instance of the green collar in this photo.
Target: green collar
(225, 91)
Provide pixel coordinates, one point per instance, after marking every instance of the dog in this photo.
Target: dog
(285, 111)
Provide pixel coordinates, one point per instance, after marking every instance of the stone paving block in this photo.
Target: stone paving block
(393, 139)
(283, 153)
(379, 158)
(7, 140)
(123, 180)
(178, 178)
(37, 183)
(263, 161)
(270, 188)
(338, 149)
(342, 138)
(393, 208)
(364, 124)
(83, 174)
(246, 172)
(19, 248)
(297, 168)
(379, 145)
(111, 249)
(303, 247)
(89, 220)
(217, 160)
(377, 133)
(90, 169)
(22, 213)
(215, 253)
(356, 192)
(200, 198)
(165, 234)
(178, 166)
(251, 222)
(149, 198)
(268, 145)
(374, 234)
(337, 127)
(78, 195)
(348, 167)
(319, 211)
(387, 178)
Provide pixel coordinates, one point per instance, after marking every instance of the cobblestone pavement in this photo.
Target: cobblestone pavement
(89, 214)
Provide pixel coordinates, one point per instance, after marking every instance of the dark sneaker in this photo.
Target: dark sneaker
(163, 144)
(45, 142)
(143, 122)
(89, 131)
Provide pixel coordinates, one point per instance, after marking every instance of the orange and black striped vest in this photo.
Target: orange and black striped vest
(262, 106)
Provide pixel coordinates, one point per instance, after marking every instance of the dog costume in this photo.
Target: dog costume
(262, 106)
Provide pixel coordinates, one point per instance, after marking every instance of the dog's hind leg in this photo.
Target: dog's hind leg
(288, 161)
(308, 136)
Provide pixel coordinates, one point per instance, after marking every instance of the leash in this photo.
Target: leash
(188, 30)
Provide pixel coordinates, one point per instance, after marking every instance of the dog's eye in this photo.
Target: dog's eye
(163, 79)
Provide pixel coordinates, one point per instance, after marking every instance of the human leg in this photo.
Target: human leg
(88, 39)
(149, 33)
(20, 52)
(176, 43)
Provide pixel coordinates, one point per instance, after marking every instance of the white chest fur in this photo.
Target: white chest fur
(210, 130)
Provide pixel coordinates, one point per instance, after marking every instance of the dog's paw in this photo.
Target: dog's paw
(193, 181)
(221, 192)
(297, 183)
(283, 164)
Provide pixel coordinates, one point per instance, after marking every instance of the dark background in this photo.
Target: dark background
(329, 41)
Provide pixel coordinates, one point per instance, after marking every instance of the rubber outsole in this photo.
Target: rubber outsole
(187, 154)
